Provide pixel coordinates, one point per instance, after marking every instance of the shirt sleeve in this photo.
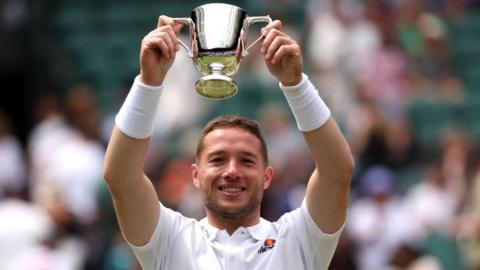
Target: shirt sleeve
(153, 254)
(318, 246)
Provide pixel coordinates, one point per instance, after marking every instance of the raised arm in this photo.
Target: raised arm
(134, 196)
(328, 188)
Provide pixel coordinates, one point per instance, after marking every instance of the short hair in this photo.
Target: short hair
(233, 121)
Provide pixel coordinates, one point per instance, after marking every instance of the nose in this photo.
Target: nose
(232, 171)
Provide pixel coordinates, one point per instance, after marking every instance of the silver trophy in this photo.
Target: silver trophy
(218, 32)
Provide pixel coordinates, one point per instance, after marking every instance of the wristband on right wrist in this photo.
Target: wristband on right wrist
(308, 108)
(137, 114)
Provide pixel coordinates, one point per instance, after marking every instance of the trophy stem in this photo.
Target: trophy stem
(217, 68)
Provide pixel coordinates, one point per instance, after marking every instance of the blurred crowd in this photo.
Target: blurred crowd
(415, 199)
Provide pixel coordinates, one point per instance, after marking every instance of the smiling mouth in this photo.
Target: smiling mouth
(231, 189)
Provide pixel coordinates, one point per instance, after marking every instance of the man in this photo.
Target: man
(231, 172)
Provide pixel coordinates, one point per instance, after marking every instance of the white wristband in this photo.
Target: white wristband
(136, 116)
(308, 108)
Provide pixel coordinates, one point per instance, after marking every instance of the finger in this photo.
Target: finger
(165, 20)
(174, 30)
(286, 51)
(273, 25)
(167, 33)
(172, 39)
(163, 46)
(270, 36)
(275, 44)
(158, 43)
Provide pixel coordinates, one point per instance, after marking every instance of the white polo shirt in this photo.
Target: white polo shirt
(293, 242)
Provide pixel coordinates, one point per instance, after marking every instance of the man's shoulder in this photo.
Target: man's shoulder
(177, 218)
(285, 221)
(289, 217)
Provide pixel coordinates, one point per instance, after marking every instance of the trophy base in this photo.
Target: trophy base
(216, 86)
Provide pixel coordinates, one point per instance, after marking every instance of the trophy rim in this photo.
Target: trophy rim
(202, 86)
(218, 3)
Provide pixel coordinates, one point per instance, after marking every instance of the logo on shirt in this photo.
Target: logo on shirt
(267, 245)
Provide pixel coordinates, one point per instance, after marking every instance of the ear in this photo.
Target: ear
(268, 177)
(194, 169)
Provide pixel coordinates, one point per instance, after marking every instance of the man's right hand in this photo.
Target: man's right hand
(158, 51)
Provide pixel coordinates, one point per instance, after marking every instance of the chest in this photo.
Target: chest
(239, 251)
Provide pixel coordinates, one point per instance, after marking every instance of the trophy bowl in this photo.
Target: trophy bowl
(218, 32)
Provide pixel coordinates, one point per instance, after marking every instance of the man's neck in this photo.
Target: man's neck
(232, 224)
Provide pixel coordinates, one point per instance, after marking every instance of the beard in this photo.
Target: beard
(233, 214)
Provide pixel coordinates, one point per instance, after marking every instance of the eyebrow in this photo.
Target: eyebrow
(249, 154)
(222, 152)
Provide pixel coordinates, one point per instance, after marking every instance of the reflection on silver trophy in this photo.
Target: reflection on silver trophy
(218, 32)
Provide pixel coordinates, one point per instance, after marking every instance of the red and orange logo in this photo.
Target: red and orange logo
(267, 245)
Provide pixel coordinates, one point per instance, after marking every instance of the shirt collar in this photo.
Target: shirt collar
(209, 230)
(258, 231)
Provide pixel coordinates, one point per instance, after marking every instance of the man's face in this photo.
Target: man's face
(231, 173)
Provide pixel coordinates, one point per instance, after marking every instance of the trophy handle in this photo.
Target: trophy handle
(191, 26)
(246, 25)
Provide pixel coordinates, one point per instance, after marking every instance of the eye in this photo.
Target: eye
(216, 160)
(248, 161)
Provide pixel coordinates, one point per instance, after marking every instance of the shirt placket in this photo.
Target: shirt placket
(234, 252)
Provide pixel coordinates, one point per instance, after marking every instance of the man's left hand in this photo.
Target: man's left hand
(282, 54)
